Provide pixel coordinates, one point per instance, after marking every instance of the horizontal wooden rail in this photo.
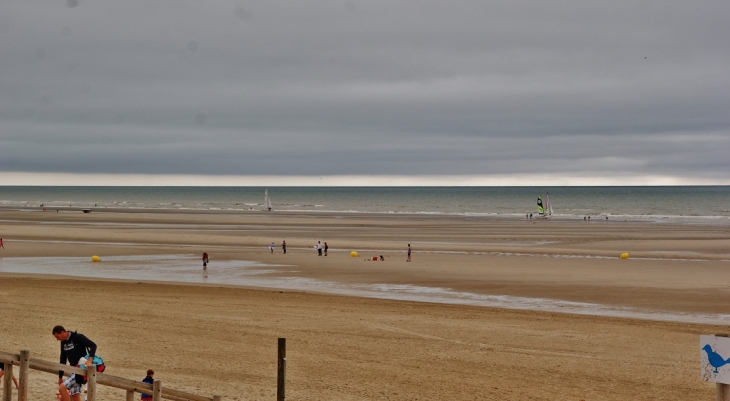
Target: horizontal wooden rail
(102, 378)
(9, 358)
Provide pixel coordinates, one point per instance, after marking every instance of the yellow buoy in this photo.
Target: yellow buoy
(624, 255)
(95, 259)
(353, 254)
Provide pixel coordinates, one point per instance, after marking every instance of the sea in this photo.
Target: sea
(676, 204)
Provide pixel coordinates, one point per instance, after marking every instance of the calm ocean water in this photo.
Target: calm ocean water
(678, 203)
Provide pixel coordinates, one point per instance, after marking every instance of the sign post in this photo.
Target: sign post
(715, 364)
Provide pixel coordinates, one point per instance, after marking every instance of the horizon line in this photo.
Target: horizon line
(399, 180)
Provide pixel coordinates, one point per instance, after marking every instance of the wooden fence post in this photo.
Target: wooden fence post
(722, 392)
(157, 390)
(23, 379)
(130, 395)
(8, 382)
(217, 398)
(281, 371)
(91, 383)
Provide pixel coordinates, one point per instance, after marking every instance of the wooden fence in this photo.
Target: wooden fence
(25, 363)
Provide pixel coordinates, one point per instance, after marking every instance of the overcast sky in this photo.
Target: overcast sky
(638, 90)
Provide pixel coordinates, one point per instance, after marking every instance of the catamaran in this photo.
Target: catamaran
(545, 209)
(267, 200)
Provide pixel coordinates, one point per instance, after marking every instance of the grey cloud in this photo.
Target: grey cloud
(465, 87)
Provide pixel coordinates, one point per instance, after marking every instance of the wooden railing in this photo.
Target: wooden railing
(25, 363)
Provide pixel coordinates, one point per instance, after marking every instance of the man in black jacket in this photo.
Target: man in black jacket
(74, 346)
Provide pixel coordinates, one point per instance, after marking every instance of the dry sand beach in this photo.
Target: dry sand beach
(220, 338)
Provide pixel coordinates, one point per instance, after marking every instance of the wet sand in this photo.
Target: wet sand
(352, 348)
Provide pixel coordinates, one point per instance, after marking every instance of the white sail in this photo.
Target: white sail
(267, 200)
(548, 205)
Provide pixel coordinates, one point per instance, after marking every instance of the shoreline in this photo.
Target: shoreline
(695, 220)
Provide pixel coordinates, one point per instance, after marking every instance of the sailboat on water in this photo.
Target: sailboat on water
(544, 208)
(267, 200)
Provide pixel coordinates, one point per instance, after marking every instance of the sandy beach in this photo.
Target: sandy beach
(219, 338)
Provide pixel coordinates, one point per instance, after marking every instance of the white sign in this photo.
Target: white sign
(715, 359)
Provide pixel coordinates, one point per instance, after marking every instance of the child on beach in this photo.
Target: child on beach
(409, 253)
(283, 246)
(1, 244)
(205, 260)
(271, 248)
(2, 373)
(149, 380)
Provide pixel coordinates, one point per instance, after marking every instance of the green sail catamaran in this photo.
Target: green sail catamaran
(545, 209)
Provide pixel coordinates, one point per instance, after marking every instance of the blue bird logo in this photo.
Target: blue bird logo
(714, 358)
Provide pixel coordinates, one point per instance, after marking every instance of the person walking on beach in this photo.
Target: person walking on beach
(325, 248)
(149, 380)
(271, 248)
(74, 346)
(409, 253)
(205, 260)
(1, 244)
(283, 246)
(2, 373)
(319, 248)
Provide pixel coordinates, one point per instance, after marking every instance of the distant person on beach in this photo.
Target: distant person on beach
(409, 253)
(271, 248)
(325, 248)
(74, 346)
(283, 246)
(1, 244)
(205, 260)
(2, 373)
(149, 380)
(319, 248)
